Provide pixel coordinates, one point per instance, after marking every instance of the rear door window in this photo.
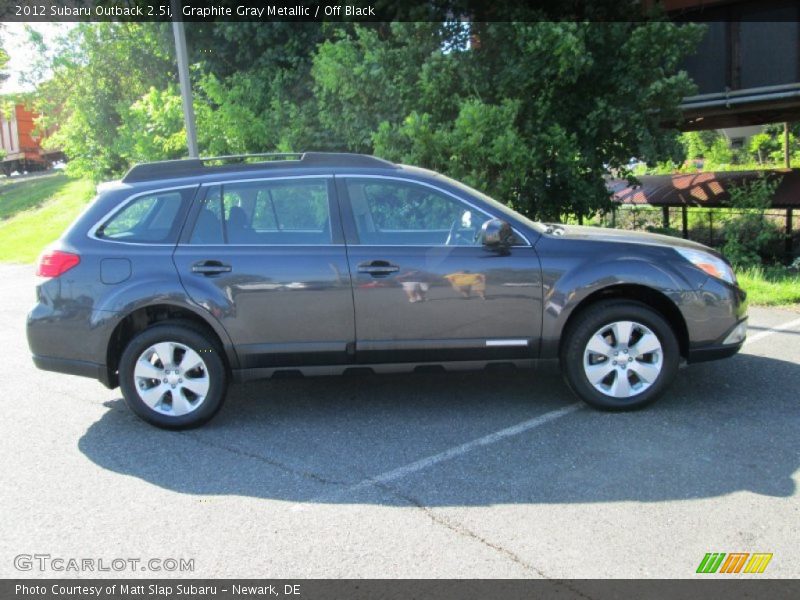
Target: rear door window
(277, 212)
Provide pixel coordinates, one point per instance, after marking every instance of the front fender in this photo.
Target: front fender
(565, 290)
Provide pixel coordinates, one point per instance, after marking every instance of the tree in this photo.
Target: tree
(3, 61)
(719, 154)
(152, 127)
(767, 146)
(365, 77)
(99, 72)
(252, 86)
(697, 144)
(3, 76)
(536, 113)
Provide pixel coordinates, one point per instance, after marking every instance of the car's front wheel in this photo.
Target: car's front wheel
(173, 376)
(619, 355)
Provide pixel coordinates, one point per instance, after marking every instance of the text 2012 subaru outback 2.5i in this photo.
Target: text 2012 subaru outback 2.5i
(187, 275)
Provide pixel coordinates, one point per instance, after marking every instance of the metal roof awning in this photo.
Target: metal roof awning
(710, 189)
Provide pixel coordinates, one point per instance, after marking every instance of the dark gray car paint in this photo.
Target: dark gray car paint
(265, 300)
(264, 323)
(576, 266)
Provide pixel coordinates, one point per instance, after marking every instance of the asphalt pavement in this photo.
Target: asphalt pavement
(485, 474)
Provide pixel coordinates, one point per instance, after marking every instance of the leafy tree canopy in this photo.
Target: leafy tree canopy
(535, 113)
(3, 61)
(99, 73)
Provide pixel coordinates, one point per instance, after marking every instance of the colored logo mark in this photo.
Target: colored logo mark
(734, 562)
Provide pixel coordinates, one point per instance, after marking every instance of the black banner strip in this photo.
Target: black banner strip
(713, 587)
(266, 11)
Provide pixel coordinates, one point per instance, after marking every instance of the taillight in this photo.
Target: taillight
(53, 263)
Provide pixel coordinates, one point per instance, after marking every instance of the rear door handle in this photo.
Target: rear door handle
(210, 267)
(378, 268)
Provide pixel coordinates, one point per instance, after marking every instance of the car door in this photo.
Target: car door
(424, 287)
(267, 258)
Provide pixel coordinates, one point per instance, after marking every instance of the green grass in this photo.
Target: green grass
(36, 211)
(770, 286)
(24, 194)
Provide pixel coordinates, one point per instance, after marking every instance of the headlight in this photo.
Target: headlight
(714, 266)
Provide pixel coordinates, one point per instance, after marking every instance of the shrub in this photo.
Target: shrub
(748, 234)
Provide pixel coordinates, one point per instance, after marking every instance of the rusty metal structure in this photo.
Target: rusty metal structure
(708, 190)
(21, 142)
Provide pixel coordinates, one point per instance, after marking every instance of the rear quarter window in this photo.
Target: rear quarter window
(148, 219)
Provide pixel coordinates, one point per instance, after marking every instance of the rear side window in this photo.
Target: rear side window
(291, 212)
(148, 219)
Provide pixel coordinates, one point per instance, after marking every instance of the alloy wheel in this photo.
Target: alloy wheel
(171, 378)
(623, 359)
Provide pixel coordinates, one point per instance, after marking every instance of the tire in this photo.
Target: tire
(191, 394)
(615, 375)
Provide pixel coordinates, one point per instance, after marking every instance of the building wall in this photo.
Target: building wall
(739, 137)
(746, 67)
(738, 56)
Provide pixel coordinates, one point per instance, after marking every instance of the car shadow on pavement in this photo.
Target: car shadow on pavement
(723, 427)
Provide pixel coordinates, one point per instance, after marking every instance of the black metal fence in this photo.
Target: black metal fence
(704, 225)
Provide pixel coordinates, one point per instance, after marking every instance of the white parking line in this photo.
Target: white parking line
(486, 440)
(784, 328)
(449, 454)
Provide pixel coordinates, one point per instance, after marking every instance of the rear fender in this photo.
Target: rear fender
(124, 300)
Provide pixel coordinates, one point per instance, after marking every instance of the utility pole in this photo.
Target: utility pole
(786, 159)
(183, 75)
(789, 243)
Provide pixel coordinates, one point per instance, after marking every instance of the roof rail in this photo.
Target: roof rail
(201, 166)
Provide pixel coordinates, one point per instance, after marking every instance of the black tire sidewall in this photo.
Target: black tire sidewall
(195, 340)
(604, 313)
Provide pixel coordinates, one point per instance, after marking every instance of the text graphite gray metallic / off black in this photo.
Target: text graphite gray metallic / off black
(189, 274)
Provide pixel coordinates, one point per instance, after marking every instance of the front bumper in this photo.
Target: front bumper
(729, 344)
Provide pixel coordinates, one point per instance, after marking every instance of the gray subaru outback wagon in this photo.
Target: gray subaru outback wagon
(187, 275)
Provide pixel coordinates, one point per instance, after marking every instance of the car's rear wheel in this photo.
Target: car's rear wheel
(173, 376)
(619, 355)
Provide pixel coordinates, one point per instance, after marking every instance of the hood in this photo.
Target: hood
(602, 234)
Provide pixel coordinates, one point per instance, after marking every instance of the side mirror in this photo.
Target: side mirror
(496, 234)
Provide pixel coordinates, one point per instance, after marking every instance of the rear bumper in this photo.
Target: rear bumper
(80, 368)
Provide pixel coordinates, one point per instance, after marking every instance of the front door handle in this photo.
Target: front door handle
(210, 267)
(378, 268)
